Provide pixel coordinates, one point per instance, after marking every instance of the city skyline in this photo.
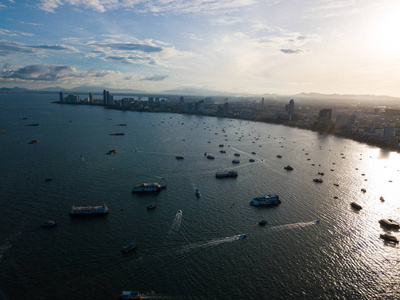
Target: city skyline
(241, 46)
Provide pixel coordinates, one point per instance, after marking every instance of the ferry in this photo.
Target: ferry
(226, 174)
(89, 210)
(129, 247)
(148, 187)
(389, 223)
(265, 200)
(130, 295)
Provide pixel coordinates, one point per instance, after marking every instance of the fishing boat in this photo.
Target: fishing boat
(265, 200)
(130, 295)
(388, 237)
(389, 223)
(48, 223)
(129, 247)
(356, 205)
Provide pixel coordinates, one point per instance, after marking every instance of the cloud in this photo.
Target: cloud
(11, 48)
(128, 47)
(149, 6)
(48, 73)
(291, 51)
(155, 78)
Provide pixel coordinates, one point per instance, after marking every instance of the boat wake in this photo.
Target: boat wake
(293, 225)
(212, 243)
(176, 224)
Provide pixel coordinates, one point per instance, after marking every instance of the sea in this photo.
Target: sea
(314, 245)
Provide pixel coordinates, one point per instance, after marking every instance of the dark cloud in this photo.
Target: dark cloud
(10, 48)
(129, 47)
(291, 51)
(131, 59)
(155, 78)
(40, 73)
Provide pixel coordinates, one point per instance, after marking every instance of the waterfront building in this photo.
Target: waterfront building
(151, 100)
(90, 97)
(61, 97)
(181, 100)
(344, 121)
(110, 99)
(104, 97)
(325, 115)
(388, 132)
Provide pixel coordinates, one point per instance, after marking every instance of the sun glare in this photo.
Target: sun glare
(388, 30)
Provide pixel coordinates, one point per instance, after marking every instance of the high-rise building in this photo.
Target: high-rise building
(325, 115)
(181, 100)
(110, 98)
(104, 97)
(90, 97)
(262, 102)
(289, 108)
(61, 97)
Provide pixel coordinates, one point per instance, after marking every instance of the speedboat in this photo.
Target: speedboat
(129, 247)
(356, 205)
(180, 211)
(49, 223)
(242, 236)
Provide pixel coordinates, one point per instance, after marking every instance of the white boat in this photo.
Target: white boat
(265, 200)
(148, 187)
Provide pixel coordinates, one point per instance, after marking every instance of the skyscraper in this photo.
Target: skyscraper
(104, 97)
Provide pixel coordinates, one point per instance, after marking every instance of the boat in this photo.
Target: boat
(148, 187)
(235, 161)
(48, 223)
(317, 222)
(262, 223)
(112, 152)
(381, 198)
(265, 200)
(279, 156)
(336, 184)
(152, 205)
(390, 238)
(221, 145)
(121, 125)
(222, 151)
(89, 210)
(210, 157)
(197, 192)
(319, 180)
(356, 205)
(180, 211)
(288, 168)
(129, 247)
(242, 236)
(363, 190)
(253, 153)
(34, 142)
(321, 173)
(226, 174)
(179, 157)
(251, 160)
(236, 154)
(130, 295)
(35, 124)
(48, 179)
(117, 133)
(389, 223)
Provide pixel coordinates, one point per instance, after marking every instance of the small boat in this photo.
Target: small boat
(180, 211)
(197, 192)
(210, 157)
(117, 133)
(363, 190)
(121, 125)
(2, 131)
(318, 180)
(236, 154)
(179, 157)
(222, 151)
(34, 142)
(35, 124)
(390, 238)
(235, 161)
(288, 168)
(356, 205)
(321, 173)
(253, 153)
(251, 160)
(382, 199)
(152, 205)
(48, 223)
(389, 223)
(279, 156)
(130, 295)
(262, 223)
(48, 179)
(148, 187)
(242, 236)
(112, 152)
(317, 222)
(226, 174)
(129, 247)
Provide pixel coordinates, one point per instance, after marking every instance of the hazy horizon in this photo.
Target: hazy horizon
(238, 47)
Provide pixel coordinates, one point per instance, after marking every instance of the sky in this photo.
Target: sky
(234, 46)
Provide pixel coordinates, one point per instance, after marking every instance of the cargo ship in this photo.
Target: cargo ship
(89, 210)
(226, 174)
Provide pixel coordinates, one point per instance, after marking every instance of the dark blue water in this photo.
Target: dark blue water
(197, 255)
